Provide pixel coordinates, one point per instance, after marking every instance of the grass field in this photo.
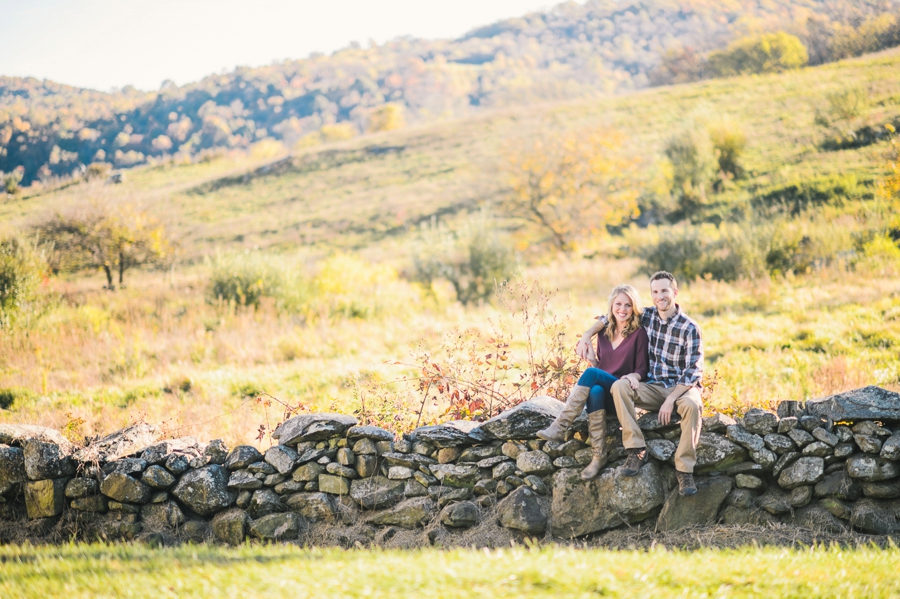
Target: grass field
(133, 571)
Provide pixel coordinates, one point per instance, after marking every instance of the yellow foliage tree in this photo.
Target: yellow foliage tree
(571, 185)
(112, 238)
(387, 118)
(767, 53)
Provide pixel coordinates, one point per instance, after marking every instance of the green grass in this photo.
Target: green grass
(284, 571)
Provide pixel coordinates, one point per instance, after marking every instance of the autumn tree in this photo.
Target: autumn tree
(570, 185)
(767, 53)
(114, 238)
(387, 118)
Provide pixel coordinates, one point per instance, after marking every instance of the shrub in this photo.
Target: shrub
(243, 279)
(10, 395)
(693, 160)
(767, 53)
(729, 141)
(23, 266)
(473, 259)
(799, 195)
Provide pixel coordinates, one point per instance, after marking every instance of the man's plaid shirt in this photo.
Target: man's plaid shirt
(676, 349)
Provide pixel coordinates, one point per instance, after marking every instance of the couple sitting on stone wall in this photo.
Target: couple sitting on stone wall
(650, 359)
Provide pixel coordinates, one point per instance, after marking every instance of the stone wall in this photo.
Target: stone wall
(831, 465)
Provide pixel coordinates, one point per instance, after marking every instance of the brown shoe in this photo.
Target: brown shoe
(634, 460)
(599, 455)
(686, 484)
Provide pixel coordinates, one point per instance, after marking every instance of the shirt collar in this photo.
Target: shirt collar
(679, 315)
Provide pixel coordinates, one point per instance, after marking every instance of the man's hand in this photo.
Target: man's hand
(585, 350)
(665, 411)
(633, 380)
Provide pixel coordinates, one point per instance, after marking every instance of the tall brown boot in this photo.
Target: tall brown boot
(599, 455)
(574, 404)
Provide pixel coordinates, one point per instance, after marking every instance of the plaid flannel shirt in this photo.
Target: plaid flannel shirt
(676, 349)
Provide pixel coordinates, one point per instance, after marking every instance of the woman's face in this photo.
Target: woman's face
(622, 308)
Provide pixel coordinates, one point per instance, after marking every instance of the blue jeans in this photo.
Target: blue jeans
(600, 382)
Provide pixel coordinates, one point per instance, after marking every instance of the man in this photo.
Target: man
(676, 367)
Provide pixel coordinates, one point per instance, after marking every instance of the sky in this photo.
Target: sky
(102, 44)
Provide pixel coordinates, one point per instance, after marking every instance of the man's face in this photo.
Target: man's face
(663, 294)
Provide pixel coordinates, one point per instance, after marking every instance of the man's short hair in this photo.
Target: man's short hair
(664, 275)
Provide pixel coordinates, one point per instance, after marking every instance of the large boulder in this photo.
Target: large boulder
(448, 434)
(868, 403)
(45, 498)
(522, 510)
(716, 453)
(870, 468)
(128, 441)
(460, 515)
(312, 427)
(205, 490)
(876, 517)
(805, 471)
(376, 492)
(18, 434)
(696, 510)
(521, 421)
(313, 506)
(410, 513)
(611, 499)
(47, 460)
(282, 458)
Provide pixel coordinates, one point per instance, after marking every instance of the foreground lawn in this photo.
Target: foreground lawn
(134, 571)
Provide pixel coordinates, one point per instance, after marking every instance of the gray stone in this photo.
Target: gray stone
(195, 531)
(12, 468)
(345, 457)
(536, 484)
(816, 517)
(376, 492)
(836, 507)
(159, 452)
(826, 437)
(45, 498)
(817, 449)
(511, 449)
(312, 427)
(216, 451)
(205, 491)
(125, 508)
(810, 423)
(313, 454)
(448, 434)
(128, 441)
(46, 460)
(742, 436)
(775, 501)
(843, 433)
(460, 515)
(244, 481)
(485, 487)
(805, 471)
(160, 516)
(399, 473)
(491, 462)
(424, 479)
(843, 450)
(81, 487)
(374, 433)
(448, 455)
(583, 457)
(92, 503)
(800, 496)
(18, 434)
(282, 458)
(125, 466)
(610, 499)
(871, 429)
(876, 517)
(748, 481)
(291, 486)
(414, 489)
(787, 424)
(870, 468)
(124, 488)
(715, 452)
(649, 422)
(522, 510)
(889, 451)
(243, 499)
(788, 409)
(565, 462)
(868, 403)
(502, 470)
(800, 437)
(661, 449)
(534, 462)
(447, 495)
(307, 472)
(717, 423)
(784, 461)
(230, 526)
(402, 446)
(177, 463)
(159, 497)
(316, 507)
(840, 485)
(157, 477)
(383, 447)
(410, 513)
(480, 453)
(336, 485)
(745, 468)
(338, 470)
(760, 422)
(455, 475)
(764, 458)
(868, 444)
(366, 465)
(779, 443)
(745, 498)
(264, 502)
(409, 460)
(365, 447)
(882, 490)
(275, 479)
(263, 468)
(276, 527)
(523, 420)
(696, 510)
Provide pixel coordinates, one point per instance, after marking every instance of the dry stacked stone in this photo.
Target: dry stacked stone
(831, 464)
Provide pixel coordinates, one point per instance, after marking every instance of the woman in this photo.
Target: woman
(622, 350)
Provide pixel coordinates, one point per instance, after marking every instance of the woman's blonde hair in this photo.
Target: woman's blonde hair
(634, 322)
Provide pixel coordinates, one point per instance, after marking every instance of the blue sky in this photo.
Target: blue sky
(112, 43)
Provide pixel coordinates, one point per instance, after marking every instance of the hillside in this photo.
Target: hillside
(574, 50)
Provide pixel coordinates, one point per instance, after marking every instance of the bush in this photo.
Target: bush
(472, 259)
(797, 196)
(10, 395)
(243, 279)
(767, 53)
(23, 266)
(692, 156)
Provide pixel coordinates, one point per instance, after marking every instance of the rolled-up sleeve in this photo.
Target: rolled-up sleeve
(693, 370)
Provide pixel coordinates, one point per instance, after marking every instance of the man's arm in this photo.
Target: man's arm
(690, 377)
(583, 349)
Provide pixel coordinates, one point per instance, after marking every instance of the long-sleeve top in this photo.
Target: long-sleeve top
(676, 348)
(630, 356)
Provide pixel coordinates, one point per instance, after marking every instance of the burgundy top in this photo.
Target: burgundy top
(630, 356)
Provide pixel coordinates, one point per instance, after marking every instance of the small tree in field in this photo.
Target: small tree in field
(571, 185)
(112, 238)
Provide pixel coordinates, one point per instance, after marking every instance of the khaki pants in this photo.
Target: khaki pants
(651, 396)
